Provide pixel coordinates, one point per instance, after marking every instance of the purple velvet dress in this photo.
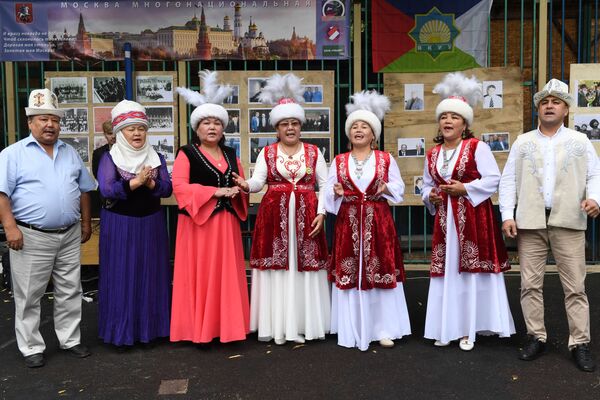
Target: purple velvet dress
(135, 276)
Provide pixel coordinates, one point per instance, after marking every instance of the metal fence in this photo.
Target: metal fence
(571, 35)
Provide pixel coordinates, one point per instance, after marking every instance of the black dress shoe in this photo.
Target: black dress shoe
(35, 360)
(79, 351)
(583, 358)
(532, 349)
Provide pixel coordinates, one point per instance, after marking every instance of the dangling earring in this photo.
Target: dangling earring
(372, 145)
(463, 134)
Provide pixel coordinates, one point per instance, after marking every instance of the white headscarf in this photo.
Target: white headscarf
(124, 155)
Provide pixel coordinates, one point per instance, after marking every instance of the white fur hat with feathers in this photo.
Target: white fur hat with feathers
(368, 106)
(286, 92)
(208, 101)
(460, 94)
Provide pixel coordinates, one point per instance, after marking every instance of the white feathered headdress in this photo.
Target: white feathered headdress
(286, 92)
(208, 101)
(368, 106)
(460, 94)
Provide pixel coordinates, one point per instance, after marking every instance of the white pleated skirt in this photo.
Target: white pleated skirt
(466, 304)
(362, 316)
(288, 304)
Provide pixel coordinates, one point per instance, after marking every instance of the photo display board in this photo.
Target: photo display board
(584, 116)
(249, 129)
(88, 98)
(411, 126)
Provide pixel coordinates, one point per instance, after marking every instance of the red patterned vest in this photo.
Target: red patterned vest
(480, 242)
(364, 217)
(270, 238)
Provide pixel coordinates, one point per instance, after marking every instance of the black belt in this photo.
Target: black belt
(35, 228)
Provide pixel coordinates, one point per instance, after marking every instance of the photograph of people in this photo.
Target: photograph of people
(493, 94)
(313, 94)
(134, 247)
(234, 96)
(367, 269)
(290, 298)
(467, 295)
(418, 184)
(588, 93)
(233, 126)
(258, 120)
(498, 141)
(413, 97)
(255, 86)
(210, 292)
(588, 124)
(411, 147)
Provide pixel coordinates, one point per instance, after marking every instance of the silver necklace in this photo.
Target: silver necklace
(446, 161)
(360, 164)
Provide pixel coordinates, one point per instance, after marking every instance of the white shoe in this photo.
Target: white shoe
(386, 342)
(439, 343)
(465, 345)
(299, 339)
(280, 341)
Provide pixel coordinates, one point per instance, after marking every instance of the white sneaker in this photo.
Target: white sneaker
(439, 343)
(299, 339)
(465, 345)
(386, 342)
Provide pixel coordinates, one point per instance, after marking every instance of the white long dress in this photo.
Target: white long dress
(287, 304)
(466, 304)
(362, 316)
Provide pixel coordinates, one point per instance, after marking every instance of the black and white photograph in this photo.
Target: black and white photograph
(109, 89)
(234, 142)
(313, 94)
(170, 170)
(317, 120)
(588, 93)
(160, 118)
(157, 89)
(234, 97)
(163, 145)
(255, 86)
(70, 90)
(588, 124)
(233, 126)
(101, 114)
(498, 141)
(323, 144)
(418, 185)
(411, 147)
(258, 121)
(492, 94)
(257, 144)
(80, 144)
(75, 121)
(99, 141)
(414, 97)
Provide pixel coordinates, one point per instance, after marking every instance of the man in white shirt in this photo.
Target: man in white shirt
(547, 175)
(491, 99)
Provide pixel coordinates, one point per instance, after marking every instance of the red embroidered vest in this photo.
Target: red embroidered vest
(480, 242)
(270, 238)
(363, 216)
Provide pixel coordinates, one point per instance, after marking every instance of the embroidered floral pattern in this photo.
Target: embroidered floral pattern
(460, 171)
(574, 149)
(438, 259)
(280, 244)
(527, 152)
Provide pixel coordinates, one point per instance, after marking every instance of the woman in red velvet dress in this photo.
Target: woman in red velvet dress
(210, 292)
(367, 270)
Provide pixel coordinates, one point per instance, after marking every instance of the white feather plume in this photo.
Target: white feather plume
(457, 84)
(282, 86)
(372, 101)
(212, 92)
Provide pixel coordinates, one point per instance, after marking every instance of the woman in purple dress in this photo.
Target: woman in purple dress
(135, 275)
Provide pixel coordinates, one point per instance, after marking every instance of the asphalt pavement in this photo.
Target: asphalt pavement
(413, 369)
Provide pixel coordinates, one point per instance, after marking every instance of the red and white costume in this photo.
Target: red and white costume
(290, 295)
(467, 294)
(367, 269)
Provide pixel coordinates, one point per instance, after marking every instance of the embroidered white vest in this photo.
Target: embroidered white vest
(569, 187)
